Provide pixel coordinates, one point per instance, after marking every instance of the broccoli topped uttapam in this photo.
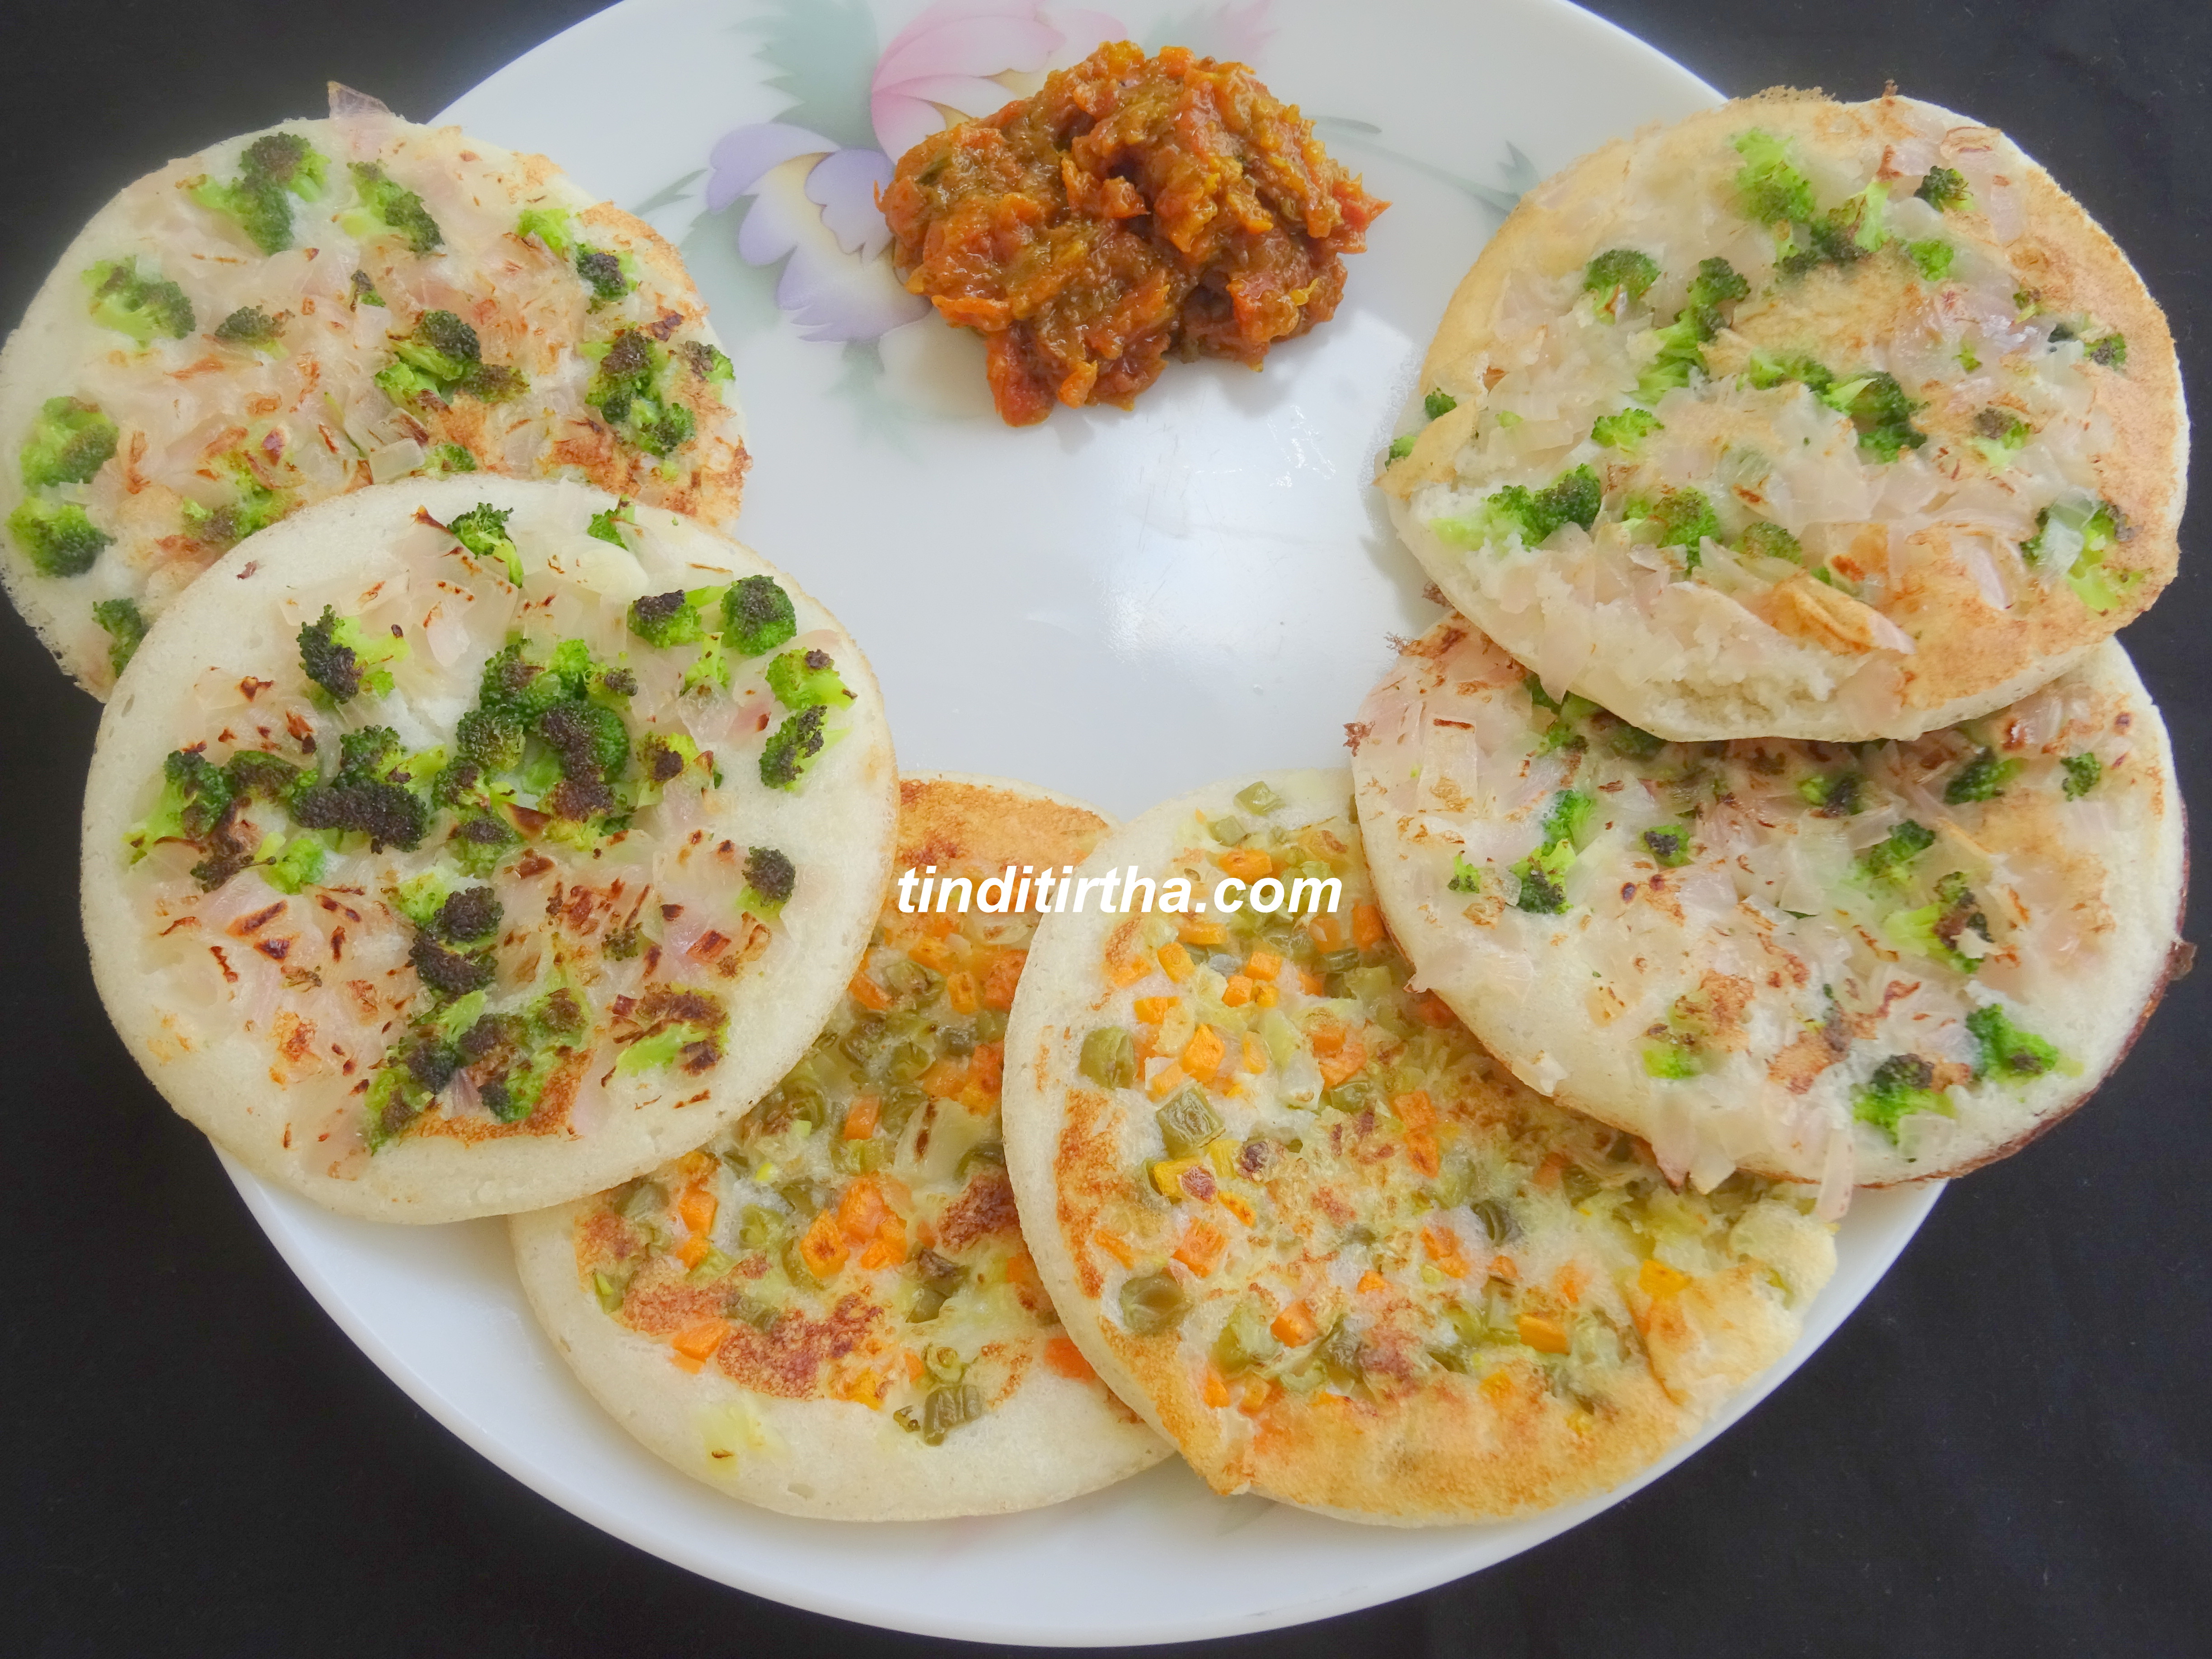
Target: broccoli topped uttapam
(829, 1309)
(1860, 964)
(459, 847)
(329, 304)
(1292, 1211)
(1798, 418)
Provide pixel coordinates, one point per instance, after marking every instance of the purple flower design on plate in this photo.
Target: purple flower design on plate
(809, 183)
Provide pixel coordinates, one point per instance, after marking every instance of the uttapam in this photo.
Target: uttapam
(460, 848)
(1292, 1211)
(1798, 418)
(304, 311)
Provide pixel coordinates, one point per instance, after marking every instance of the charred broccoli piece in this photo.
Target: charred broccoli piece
(769, 878)
(1619, 274)
(1901, 1085)
(2008, 1051)
(795, 746)
(757, 615)
(483, 531)
(363, 797)
(711, 364)
(667, 619)
(58, 537)
(140, 304)
(71, 440)
(343, 661)
(1676, 518)
(126, 629)
(1945, 190)
(443, 358)
(1981, 778)
(629, 391)
(387, 202)
(800, 678)
(469, 916)
(276, 168)
(250, 326)
(1534, 515)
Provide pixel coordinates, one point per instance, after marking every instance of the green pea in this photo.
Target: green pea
(1152, 1303)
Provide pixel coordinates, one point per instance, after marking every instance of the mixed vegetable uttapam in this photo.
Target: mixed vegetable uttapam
(299, 312)
(828, 1309)
(1292, 1211)
(1857, 963)
(461, 847)
(1798, 418)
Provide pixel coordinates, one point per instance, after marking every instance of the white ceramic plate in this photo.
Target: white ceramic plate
(1119, 605)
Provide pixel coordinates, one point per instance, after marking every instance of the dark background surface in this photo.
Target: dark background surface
(2007, 1449)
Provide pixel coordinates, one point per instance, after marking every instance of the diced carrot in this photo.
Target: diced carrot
(1258, 1391)
(1165, 1081)
(1127, 970)
(693, 1250)
(1267, 997)
(1657, 1279)
(1167, 1177)
(1366, 926)
(1541, 1332)
(1570, 1283)
(1326, 930)
(697, 1208)
(1263, 964)
(1175, 962)
(1549, 1172)
(685, 1363)
(1115, 1246)
(1501, 1267)
(914, 1368)
(1004, 973)
(1328, 1037)
(1021, 1269)
(1201, 1056)
(1348, 1054)
(695, 1164)
(1370, 1282)
(863, 1388)
(888, 1247)
(1217, 1388)
(822, 1246)
(1151, 1011)
(1443, 1247)
(861, 1212)
(1431, 1009)
(1064, 1357)
(960, 991)
(1421, 1147)
(933, 954)
(1294, 1327)
(1245, 863)
(1498, 1384)
(699, 1342)
(861, 1115)
(869, 994)
(1255, 1054)
(1310, 982)
(1235, 1204)
(1193, 930)
(1238, 992)
(986, 1067)
(1202, 1247)
(1414, 1110)
(944, 1077)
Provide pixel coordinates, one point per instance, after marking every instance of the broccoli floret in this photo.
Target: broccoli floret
(1626, 430)
(1716, 283)
(1617, 272)
(139, 304)
(2008, 1051)
(450, 972)
(58, 537)
(370, 752)
(126, 628)
(448, 460)
(2083, 773)
(1935, 931)
(275, 168)
(793, 748)
(396, 206)
(441, 346)
(1466, 877)
(769, 878)
(1998, 432)
(1438, 403)
(609, 525)
(253, 774)
(1901, 1085)
(1633, 742)
(1882, 413)
(254, 507)
(489, 741)
(483, 531)
(1764, 372)
(480, 841)
(1931, 258)
(1769, 188)
(196, 798)
(443, 358)
(1945, 190)
(250, 326)
(298, 865)
(1981, 778)
(1669, 845)
(551, 226)
(2080, 530)
(361, 288)
(757, 615)
(590, 738)
(663, 620)
(686, 1027)
(1571, 498)
(603, 274)
(386, 813)
(1764, 539)
(343, 660)
(1842, 796)
(1891, 858)
(69, 441)
(628, 391)
(802, 679)
(1677, 517)
(710, 363)
(469, 916)
(1402, 445)
(1569, 820)
(1566, 829)
(2110, 350)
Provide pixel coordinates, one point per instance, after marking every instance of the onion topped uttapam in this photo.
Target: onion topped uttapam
(1863, 963)
(1292, 1211)
(828, 1309)
(460, 848)
(1798, 418)
(298, 313)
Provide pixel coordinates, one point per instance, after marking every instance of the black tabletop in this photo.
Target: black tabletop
(2007, 1448)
